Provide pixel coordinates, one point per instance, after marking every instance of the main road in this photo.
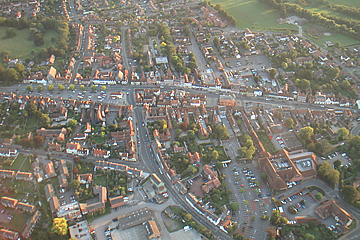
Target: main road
(148, 157)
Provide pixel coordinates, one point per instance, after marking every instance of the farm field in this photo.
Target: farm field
(252, 14)
(348, 3)
(21, 46)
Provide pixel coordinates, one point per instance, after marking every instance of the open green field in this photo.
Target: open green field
(17, 162)
(334, 37)
(21, 46)
(348, 3)
(252, 14)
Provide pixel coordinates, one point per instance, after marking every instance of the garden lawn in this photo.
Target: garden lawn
(17, 162)
(21, 46)
(31, 124)
(99, 139)
(17, 222)
(252, 14)
(221, 151)
(100, 180)
(265, 140)
(221, 202)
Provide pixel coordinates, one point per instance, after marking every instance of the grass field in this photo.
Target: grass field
(26, 166)
(18, 161)
(252, 14)
(257, 16)
(348, 3)
(100, 180)
(334, 37)
(21, 46)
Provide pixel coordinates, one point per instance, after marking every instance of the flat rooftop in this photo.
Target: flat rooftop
(304, 164)
(280, 163)
(134, 218)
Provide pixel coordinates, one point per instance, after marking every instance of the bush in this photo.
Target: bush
(319, 196)
(292, 210)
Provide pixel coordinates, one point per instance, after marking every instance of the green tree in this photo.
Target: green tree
(38, 141)
(275, 218)
(319, 196)
(263, 176)
(215, 155)
(272, 72)
(342, 133)
(40, 88)
(59, 226)
(332, 73)
(302, 84)
(284, 65)
(188, 217)
(82, 87)
(221, 132)
(234, 206)
(29, 88)
(333, 177)
(238, 236)
(103, 88)
(50, 87)
(61, 87)
(289, 122)
(74, 184)
(72, 87)
(337, 164)
(350, 194)
(309, 236)
(246, 202)
(191, 134)
(306, 133)
(72, 123)
(93, 88)
(10, 33)
(216, 42)
(324, 169)
(11, 76)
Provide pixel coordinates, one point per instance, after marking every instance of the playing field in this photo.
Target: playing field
(336, 37)
(21, 46)
(252, 14)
